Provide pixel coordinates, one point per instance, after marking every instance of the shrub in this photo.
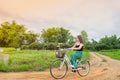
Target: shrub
(9, 49)
(47, 46)
(24, 46)
(51, 46)
(64, 45)
(36, 45)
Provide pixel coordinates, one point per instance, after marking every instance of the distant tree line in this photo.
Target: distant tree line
(16, 35)
(105, 43)
(50, 38)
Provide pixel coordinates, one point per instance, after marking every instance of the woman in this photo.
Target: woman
(78, 47)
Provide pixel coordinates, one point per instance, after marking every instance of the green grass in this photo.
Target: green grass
(111, 53)
(31, 60)
(86, 55)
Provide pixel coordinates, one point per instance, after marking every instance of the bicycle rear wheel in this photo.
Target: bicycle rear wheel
(58, 69)
(83, 68)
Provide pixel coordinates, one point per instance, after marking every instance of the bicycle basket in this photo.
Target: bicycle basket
(60, 53)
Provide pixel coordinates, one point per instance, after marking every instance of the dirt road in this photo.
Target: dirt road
(102, 68)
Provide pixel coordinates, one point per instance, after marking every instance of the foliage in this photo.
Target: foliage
(9, 49)
(16, 35)
(84, 36)
(36, 45)
(55, 35)
(105, 43)
(51, 46)
(24, 47)
(46, 46)
(66, 45)
(85, 39)
(30, 37)
(71, 41)
(13, 35)
(30, 60)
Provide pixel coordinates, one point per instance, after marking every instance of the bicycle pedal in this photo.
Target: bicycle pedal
(73, 71)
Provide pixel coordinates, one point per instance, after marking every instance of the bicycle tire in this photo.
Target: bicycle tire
(85, 74)
(52, 66)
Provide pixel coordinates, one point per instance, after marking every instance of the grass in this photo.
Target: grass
(111, 53)
(31, 60)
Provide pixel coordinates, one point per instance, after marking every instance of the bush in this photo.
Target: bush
(36, 45)
(24, 47)
(64, 45)
(47, 46)
(9, 49)
(51, 46)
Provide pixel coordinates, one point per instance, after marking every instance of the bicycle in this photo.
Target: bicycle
(60, 66)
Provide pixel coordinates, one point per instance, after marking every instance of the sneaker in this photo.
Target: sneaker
(73, 69)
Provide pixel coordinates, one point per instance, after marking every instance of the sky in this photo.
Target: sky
(97, 17)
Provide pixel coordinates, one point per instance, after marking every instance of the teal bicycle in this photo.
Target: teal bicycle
(60, 66)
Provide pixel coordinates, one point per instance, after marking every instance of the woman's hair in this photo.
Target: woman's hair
(80, 38)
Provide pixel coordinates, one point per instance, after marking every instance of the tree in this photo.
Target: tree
(55, 35)
(71, 40)
(30, 37)
(85, 37)
(62, 35)
(13, 35)
(111, 42)
(105, 43)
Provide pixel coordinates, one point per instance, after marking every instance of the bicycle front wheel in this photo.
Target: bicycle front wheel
(83, 68)
(58, 69)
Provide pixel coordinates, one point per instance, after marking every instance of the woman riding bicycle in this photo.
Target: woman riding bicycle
(60, 66)
(78, 47)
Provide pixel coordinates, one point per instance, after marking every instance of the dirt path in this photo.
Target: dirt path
(102, 68)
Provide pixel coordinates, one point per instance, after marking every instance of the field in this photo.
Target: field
(115, 53)
(31, 60)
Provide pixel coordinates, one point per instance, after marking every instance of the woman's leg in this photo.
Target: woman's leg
(74, 57)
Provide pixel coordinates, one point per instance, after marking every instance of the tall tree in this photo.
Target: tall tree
(55, 35)
(84, 36)
(30, 37)
(62, 35)
(13, 35)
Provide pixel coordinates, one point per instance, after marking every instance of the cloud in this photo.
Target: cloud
(97, 17)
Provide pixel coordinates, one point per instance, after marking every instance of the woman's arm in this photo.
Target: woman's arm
(72, 47)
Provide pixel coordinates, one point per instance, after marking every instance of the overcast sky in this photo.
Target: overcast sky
(97, 17)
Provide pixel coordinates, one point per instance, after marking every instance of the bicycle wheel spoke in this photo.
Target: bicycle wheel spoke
(58, 69)
(84, 69)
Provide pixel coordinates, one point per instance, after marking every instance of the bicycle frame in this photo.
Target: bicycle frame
(67, 60)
